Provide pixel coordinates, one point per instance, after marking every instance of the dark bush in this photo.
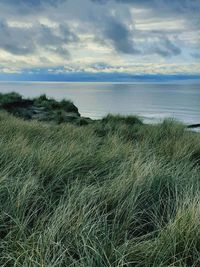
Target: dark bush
(9, 98)
(52, 104)
(68, 106)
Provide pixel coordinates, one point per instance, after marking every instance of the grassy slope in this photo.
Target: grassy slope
(106, 194)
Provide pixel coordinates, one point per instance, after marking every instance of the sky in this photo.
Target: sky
(98, 39)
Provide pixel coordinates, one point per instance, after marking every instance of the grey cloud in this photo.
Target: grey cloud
(32, 3)
(16, 41)
(22, 41)
(165, 48)
(120, 36)
(175, 4)
(171, 47)
(195, 55)
(68, 36)
(62, 35)
(19, 8)
(190, 9)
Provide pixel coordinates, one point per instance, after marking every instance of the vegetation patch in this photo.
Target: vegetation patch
(41, 108)
(114, 193)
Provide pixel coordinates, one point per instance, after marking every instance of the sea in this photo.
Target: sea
(152, 101)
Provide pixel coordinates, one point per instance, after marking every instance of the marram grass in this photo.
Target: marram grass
(113, 193)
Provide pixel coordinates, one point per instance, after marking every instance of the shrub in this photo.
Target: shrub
(9, 98)
(68, 106)
(52, 104)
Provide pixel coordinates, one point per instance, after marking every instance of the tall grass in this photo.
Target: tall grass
(113, 193)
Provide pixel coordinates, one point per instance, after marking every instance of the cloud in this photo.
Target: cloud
(26, 40)
(31, 3)
(195, 55)
(189, 9)
(99, 35)
(55, 37)
(119, 35)
(16, 41)
(178, 5)
(166, 48)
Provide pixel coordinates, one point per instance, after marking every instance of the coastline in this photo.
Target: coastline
(43, 108)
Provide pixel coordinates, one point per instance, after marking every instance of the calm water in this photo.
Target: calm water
(153, 101)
